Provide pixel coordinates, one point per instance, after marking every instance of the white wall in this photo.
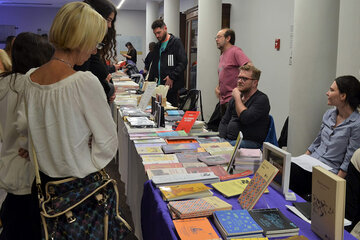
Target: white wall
(349, 39)
(132, 23)
(257, 23)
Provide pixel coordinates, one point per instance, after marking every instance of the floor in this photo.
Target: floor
(112, 170)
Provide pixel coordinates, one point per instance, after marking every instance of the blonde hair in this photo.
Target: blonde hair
(5, 61)
(77, 27)
(250, 68)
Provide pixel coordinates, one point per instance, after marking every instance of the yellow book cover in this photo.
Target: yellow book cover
(149, 150)
(328, 204)
(233, 187)
(159, 158)
(183, 191)
(258, 184)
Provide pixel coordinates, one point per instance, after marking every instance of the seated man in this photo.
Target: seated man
(248, 111)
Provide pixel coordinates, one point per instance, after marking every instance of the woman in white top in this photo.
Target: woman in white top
(16, 172)
(70, 122)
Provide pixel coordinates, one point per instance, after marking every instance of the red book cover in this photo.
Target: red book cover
(188, 121)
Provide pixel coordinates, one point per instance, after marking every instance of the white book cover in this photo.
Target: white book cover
(207, 177)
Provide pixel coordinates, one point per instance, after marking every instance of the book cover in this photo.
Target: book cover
(233, 187)
(193, 164)
(153, 140)
(205, 178)
(181, 147)
(200, 207)
(236, 223)
(177, 141)
(195, 229)
(159, 158)
(188, 121)
(209, 139)
(175, 112)
(328, 204)
(164, 171)
(273, 221)
(165, 134)
(218, 170)
(215, 160)
(149, 150)
(190, 157)
(258, 184)
(183, 191)
(161, 165)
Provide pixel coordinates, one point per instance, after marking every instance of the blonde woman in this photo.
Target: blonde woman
(68, 109)
(5, 62)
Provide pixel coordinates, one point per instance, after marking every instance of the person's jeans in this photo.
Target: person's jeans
(246, 144)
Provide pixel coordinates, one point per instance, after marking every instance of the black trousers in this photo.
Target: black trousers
(19, 217)
(352, 206)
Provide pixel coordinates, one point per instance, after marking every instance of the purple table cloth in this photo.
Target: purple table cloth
(157, 224)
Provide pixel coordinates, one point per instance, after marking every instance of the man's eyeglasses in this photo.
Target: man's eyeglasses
(244, 79)
(100, 46)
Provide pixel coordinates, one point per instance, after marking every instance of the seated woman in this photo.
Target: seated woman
(339, 134)
(352, 207)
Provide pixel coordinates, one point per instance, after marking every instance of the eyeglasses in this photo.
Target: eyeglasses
(100, 46)
(244, 79)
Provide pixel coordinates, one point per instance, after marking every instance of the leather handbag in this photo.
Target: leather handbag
(81, 208)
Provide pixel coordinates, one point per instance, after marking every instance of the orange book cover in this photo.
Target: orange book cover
(175, 141)
(188, 121)
(195, 229)
(162, 165)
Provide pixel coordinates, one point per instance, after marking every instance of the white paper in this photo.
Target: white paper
(307, 162)
(145, 98)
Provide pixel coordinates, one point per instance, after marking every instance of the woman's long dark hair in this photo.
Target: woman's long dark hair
(105, 8)
(30, 50)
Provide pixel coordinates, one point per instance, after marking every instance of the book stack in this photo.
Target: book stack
(274, 223)
(185, 191)
(190, 157)
(158, 158)
(140, 122)
(198, 207)
(236, 224)
(175, 179)
(181, 147)
(249, 159)
(218, 148)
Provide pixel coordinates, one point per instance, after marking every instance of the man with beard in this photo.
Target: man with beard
(169, 61)
(248, 111)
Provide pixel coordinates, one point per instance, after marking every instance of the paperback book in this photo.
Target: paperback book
(159, 158)
(232, 187)
(195, 229)
(258, 184)
(175, 179)
(236, 224)
(164, 171)
(200, 207)
(161, 165)
(190, 157)
(185, 191)
(217, 170)
(182, 147)
(274, 222)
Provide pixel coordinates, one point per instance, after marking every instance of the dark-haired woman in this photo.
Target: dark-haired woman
(16, 173)
(97, 62)
(339, 135)
(131, 54)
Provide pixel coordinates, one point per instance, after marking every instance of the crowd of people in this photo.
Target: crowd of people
(55, 94)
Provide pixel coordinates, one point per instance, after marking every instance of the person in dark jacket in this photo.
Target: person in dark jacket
(169, 61)
(248, 111)
(97, 62)
(131, 54)
(149, 57)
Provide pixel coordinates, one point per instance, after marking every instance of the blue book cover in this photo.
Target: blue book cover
(237, 222)
(175, 112)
